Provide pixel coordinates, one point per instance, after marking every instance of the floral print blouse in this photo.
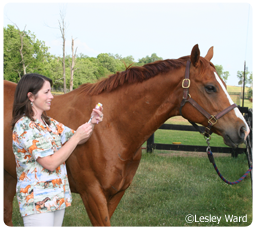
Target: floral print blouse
(38, 189)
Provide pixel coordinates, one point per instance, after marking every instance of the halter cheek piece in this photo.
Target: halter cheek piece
(212, 119)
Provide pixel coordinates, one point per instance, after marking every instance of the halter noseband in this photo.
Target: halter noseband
(212, 120)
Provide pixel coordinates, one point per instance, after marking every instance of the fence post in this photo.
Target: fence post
(150, 143)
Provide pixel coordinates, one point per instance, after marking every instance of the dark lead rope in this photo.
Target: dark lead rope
(210, 156)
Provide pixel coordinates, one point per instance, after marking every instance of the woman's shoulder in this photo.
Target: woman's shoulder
(53, 121)
(22, 125)
(23, 120)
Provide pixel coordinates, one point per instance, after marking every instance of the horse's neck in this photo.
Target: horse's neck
(144, 107)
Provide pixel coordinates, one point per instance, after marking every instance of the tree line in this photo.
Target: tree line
(24, 53)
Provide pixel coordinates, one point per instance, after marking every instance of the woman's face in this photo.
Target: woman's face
(42, 100)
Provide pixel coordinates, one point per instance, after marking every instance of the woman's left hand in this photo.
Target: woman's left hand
(97, 115)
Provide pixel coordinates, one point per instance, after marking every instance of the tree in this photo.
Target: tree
(86, 71)
(150, 59)
(107, 61)
(72, 65)
(23, 53)
(248, 78)
(62, 27)
(223, 74)
(22, 35)
(54, 71)
(127, 61)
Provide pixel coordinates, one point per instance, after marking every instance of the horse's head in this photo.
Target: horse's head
(208, 90)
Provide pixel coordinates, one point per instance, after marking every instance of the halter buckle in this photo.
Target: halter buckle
(211, 122)
(183, 83)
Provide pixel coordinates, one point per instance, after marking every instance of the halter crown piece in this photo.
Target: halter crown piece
(212, 119)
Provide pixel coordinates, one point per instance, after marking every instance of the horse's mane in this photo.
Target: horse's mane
(132, 75)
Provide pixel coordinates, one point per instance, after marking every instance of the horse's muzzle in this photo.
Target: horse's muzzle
(233, 138)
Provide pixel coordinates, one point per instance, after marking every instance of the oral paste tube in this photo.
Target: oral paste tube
(97, 107)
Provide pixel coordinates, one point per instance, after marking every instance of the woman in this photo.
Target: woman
(41, 146)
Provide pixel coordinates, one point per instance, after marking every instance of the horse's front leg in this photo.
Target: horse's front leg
(95, 203)
(114, 201)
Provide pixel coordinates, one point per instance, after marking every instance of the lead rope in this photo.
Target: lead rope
(211, 159)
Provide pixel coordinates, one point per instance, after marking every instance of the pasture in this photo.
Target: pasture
(170, 185)
(166, 188)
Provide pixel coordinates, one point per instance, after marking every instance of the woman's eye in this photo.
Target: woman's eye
(210, 89)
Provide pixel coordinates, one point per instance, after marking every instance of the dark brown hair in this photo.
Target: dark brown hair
(22, 106)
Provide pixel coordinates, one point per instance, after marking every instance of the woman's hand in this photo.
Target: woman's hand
(81, 135)
(97, 115)
(84, 132)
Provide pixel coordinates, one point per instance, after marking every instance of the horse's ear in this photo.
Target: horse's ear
(209, 54)
(195, 54)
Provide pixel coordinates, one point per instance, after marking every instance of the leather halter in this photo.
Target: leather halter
(212, 119)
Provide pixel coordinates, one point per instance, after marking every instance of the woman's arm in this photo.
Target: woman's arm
(82, 134)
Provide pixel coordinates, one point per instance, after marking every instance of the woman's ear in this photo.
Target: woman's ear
(30, 96)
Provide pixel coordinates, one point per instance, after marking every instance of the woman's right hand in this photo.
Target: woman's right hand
(81, 135)
(84, 132)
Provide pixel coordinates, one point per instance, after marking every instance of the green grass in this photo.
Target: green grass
(166, 189)
(247, 103)
(234, 89)
(186, 138)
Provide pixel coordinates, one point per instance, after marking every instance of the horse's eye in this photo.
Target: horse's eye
(210, 89)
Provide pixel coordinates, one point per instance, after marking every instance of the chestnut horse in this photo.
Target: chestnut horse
(136, 103)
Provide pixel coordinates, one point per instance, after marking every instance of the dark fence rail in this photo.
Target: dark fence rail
(192, 148)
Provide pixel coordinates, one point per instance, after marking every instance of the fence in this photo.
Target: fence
(192, 148)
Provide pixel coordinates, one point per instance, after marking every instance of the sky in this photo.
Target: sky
(139, 28)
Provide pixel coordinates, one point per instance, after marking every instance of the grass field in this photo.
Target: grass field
(167, 188)
(231, 89)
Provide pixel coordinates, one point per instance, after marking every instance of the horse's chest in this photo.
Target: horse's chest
(122, 175)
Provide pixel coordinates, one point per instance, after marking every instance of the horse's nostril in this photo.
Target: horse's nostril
(242, 132)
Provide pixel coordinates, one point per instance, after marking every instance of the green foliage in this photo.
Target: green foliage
(248, 78)
(35, 54)
(150, 59)
(223, 74)
(86, 71)
(250, 92)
